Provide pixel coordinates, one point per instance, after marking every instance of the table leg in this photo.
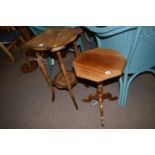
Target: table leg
(45, 73)
(66, 77)
(76, 50)
(100, 99)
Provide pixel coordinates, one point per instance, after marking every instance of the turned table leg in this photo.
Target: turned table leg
(100, 99)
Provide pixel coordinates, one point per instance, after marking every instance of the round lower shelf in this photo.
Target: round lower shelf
(60, 82)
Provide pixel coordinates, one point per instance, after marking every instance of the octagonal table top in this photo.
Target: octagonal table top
(54, 39)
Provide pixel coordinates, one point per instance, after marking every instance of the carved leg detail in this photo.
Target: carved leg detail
(100, 99)
(90, 98)
(109, 96)
(101, 111)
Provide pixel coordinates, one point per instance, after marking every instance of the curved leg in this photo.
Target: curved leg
(100, 97)
(66, 78)
(90, 97)
(123, 88)
(120, 90)
(109, 96)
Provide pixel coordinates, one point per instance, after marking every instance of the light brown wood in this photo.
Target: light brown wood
(60, 83)
(45, 73)
(63, 69)
(56, 39)
(98, 65)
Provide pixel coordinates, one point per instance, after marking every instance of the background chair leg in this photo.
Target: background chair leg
(22, 39)
(7, 52)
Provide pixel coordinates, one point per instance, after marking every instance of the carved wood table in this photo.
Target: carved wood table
(55, 40)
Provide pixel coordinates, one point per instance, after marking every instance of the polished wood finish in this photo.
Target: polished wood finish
(103, 62)
(56, 39)
(100, 97)
(95, 97)
(97, 65)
